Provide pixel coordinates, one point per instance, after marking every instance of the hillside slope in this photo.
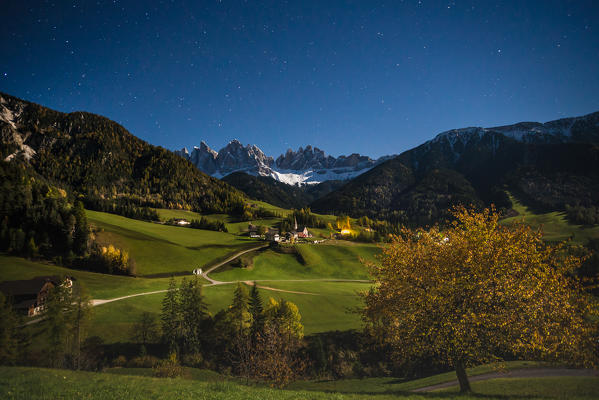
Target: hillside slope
(265, 188)
(98, 158)
(548, 165)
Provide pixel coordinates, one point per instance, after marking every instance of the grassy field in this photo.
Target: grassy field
(100, 286)
(335, 259)
(554, 224)
(395, 385)
(39, 383)
(162, 249)
(329, 309)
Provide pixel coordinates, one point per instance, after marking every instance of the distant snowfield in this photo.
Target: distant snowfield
(312, 177)
(300, 178)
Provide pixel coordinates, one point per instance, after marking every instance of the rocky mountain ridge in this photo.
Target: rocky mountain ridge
(309, 165)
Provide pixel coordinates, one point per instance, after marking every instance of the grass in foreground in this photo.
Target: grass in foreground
(395, 385)
(38, 383)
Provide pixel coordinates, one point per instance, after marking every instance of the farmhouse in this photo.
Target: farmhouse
(29, 296)
(273, 235)
(253, 231)
(182, 222)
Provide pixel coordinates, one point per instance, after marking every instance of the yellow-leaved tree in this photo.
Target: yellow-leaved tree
(478, 290)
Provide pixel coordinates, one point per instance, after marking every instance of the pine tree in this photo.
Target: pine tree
(239, 311)
(81, 234)
(193, 312)
(171, 317)
(256, 311)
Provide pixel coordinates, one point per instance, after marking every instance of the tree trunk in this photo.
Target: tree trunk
(462, 377)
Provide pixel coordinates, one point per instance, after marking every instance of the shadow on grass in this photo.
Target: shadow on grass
(431, 395)
(131, 234)
(451, 394)
(210, 246)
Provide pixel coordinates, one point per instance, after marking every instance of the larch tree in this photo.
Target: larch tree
(478, 290)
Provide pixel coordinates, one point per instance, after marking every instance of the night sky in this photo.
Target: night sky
(366, 76)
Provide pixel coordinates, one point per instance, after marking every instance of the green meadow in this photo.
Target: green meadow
(324, 280)
(100, 286)
(40, 383)
(555, 225)
(334, 259)
(326, 306)
(164, 249)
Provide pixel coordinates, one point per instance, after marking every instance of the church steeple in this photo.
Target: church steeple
(295, 224)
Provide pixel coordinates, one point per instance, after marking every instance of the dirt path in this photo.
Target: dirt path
(229, 259)
(97, 302)
(252, 283)
(213, 282)
(518, 373)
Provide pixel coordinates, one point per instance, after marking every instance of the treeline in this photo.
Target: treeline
(109, 260)
(38, 219)
(250, 339)
(121, 206)
(582, 215)
(256, 340)
(247, 212)
(202, 223)
(304, 217)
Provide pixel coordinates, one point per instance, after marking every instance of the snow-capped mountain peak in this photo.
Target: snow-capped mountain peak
(309, 165)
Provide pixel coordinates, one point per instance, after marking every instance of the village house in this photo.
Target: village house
(182, 222)
(29, 296)
(272, 235)
(253, 231)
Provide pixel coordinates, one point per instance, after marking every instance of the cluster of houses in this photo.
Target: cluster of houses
(273, 234)
(29, 296)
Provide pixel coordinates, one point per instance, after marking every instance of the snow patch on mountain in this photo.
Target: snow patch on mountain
(306, 166)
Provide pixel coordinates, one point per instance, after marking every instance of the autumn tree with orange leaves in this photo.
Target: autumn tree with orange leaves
(478, 290)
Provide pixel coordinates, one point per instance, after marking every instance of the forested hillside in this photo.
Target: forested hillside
(267, 189)
(552, 166)
(100, 160)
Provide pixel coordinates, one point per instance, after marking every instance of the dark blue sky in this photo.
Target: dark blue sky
(367, 76)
